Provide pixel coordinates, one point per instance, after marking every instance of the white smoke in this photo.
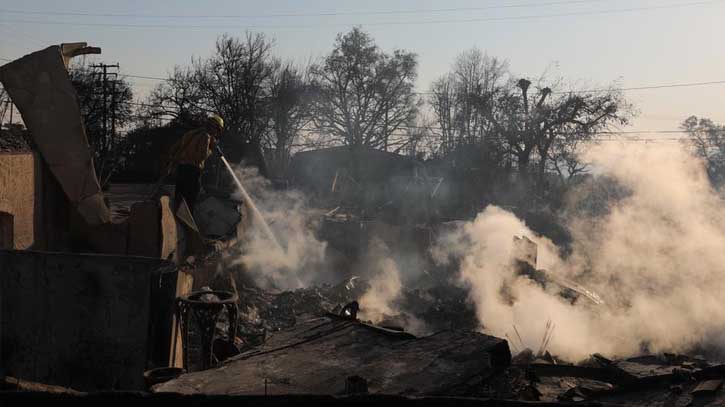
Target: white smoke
(299, 259)
(379, 300)
(301, 262)
(656, 257)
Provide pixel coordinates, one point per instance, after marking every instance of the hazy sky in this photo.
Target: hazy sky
(591, 43)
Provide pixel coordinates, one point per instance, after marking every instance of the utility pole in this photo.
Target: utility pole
(113, 115)
(107, 141)
(5, 103)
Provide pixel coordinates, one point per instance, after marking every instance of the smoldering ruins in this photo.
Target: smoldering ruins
(360, 273)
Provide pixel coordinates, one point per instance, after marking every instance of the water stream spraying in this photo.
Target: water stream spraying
(250, 203)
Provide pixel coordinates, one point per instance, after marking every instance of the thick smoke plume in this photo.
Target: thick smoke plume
(655, 256)
(299, 259)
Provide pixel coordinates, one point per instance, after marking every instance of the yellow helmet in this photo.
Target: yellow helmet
(217, 121)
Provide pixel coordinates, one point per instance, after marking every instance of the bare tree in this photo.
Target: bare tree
(364, 95)
(564, 159)
(289, 112)
(417, 140)
(530, 125)
(563, 120)
(518, 123)
(707, 140)
(233, 82)
(475, 76)
(179, 98)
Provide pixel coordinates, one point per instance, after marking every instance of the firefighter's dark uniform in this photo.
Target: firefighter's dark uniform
(189, 154)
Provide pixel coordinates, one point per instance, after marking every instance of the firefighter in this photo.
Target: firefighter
(189, 155)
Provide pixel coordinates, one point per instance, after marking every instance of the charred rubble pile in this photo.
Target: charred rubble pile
(433, 302)
(303, 342)
(306, 341)
(438, 303)
(263, 312)
(653, 380)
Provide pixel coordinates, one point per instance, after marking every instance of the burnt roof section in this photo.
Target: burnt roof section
(318, 355)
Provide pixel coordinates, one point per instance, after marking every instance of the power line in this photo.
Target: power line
(17, 34)
(143, 85)
(423, 22)
(598, 133)
(622, 89)
(664, 86)
(610, 136)
(302, 14)
(627, 139)
(660, 86)
(147, 77)
(609, 133)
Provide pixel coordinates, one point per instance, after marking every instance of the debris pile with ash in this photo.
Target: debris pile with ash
(263, 312)
(441, 306)
(652, 380)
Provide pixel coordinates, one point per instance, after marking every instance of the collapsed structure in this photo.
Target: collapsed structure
(96, 288)
(71, 256)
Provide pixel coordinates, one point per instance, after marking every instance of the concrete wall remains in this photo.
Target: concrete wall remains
(41, 89)
(35, 204)
(83, 321)
(20, 197)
